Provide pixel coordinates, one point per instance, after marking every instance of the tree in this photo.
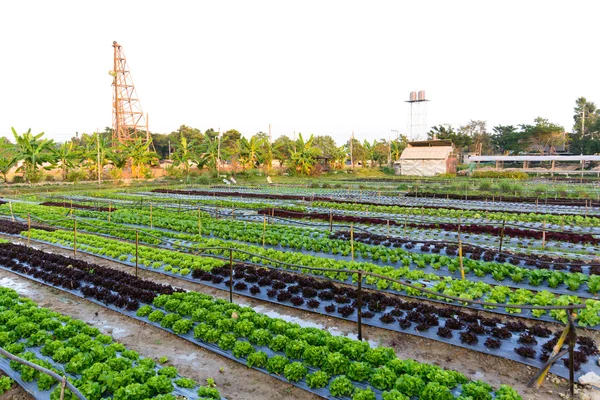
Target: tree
(460, 140)
(481, 140)
(230, 141)
(185, 153)
(265, 152)
(209, 153)
(138, 151)
(68, 156)
(282, 149)
(508, 139)
(250, 150)
(586, 141)
(543, 135)
(398, 147)
(161, 143)
(358, 152)
(327, 145)
(35, 152)
(304, 156)
(8, 157)
(96, 149)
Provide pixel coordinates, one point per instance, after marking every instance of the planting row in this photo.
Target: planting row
(438, 211)
(465, 289)
(569, 237)
(513, 340)
(66, 204)
(307, 357)
(93, 362)
(520, 199)
(382, 250)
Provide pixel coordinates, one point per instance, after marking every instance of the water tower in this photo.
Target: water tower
(417, 119)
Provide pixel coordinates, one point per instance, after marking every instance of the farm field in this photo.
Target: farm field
(346, 293)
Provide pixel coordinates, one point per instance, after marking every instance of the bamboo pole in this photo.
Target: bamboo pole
(555, 351)
(199, 224)
(359, 305)
(460, 253)
(388, 229)
(230, 275)
(11, 211)
(75, 236)
(109, 210)
(502, 236)
(28, 228)
(137, 242)
(39, 368)
(330, 221)
(151, 225)
(264, 229)
(352, 240)
(544, 235)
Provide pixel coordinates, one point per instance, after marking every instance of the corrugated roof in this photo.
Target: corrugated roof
(426, 153)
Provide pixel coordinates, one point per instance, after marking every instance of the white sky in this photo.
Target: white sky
(322, 67)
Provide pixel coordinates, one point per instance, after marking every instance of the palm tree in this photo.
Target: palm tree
(185, 153)
(35, 152)
(304, 157)
(250, 150)
(209, 157)
(140, 155)
(68, 157)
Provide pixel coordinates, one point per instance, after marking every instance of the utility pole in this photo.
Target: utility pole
(98, 157)
(583, 122)
(169, 149)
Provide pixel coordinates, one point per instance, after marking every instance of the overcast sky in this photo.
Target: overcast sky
(322, 67)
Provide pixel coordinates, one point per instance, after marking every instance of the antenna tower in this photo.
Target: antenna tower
(129, 122)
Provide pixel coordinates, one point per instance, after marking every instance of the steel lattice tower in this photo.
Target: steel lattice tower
(129, 122)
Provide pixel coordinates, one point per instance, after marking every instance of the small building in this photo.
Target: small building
(427, 158)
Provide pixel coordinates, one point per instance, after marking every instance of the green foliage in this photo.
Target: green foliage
(258, 359)
(276, 364)
(341, 386)
(317, 379)
(295, 371)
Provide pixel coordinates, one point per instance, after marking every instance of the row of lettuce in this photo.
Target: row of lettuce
(183, 264)
(97, 365)
(199, 230)
(535, 217)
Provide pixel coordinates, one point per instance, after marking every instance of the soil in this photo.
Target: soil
(238, 382)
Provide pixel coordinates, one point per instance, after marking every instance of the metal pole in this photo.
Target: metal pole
(359, 305)
(231, 275)
(502, 236)
(572, 341)
(137, 241)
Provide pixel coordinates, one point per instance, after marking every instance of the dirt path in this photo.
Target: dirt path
(239, 382)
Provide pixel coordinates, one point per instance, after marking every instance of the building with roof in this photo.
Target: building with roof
(427, 158)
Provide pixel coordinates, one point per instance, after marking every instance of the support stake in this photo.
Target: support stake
(28, 228)
(231, 275)
(151, 227)
(137, 241)
(352, 240)
(359, 305)
(264, 229)
(501, 236)
(75, 236)
(11, 211)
